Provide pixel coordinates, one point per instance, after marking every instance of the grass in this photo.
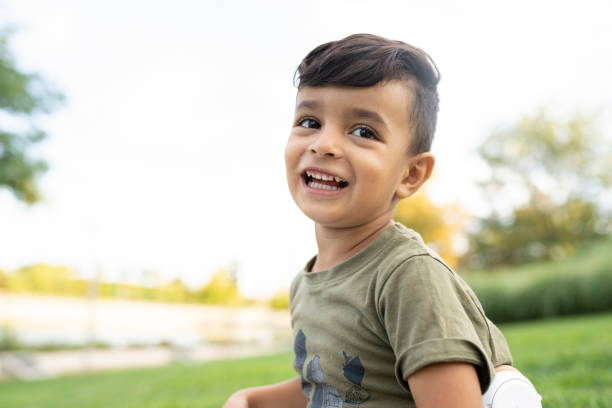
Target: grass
(569, 360)
(202, 385)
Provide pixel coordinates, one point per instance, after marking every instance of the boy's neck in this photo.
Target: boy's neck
(339, 244)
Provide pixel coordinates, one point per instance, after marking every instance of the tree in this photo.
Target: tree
(540, 229)
(546, 179)
(222, 289)
(541, 155)
(41, 278)
(440, 226)
(280, 300)
(174, 291)
(23, 96)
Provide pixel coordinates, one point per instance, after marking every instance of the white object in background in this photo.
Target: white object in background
(511, 389)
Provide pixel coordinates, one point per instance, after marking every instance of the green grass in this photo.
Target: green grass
(569, 360)
(202, 385)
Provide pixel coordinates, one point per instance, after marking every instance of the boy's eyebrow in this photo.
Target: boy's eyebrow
(368, 114)
(356, 112)
(307, 104)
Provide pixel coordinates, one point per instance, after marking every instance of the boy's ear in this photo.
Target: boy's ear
(418, 171)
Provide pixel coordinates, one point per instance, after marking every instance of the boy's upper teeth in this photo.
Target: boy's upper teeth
(322, 176)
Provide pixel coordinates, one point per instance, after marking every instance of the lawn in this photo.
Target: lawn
(569, 360)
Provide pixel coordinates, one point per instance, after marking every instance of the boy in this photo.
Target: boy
(378, 319)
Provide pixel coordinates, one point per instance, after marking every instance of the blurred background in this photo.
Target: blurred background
(144, 214)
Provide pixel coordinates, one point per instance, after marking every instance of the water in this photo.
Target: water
(40, 320)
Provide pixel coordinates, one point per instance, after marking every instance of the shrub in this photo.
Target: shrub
(581, 284)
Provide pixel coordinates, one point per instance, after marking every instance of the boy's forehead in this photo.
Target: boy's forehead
(388, 98)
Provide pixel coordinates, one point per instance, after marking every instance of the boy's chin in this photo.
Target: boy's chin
(325, 220)
(329, 221)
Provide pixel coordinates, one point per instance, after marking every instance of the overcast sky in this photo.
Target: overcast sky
(168, 153)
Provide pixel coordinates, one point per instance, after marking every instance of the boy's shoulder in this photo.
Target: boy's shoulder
(402, 244)
(395, 246)
(397, 251)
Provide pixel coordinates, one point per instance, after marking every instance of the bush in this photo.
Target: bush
(547, 297)
(8, 339)
(280, 300)
(581, 284)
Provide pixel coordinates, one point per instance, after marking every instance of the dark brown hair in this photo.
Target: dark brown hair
(365, 60)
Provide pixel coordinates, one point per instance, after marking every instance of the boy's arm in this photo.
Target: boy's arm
(287, 394)
(446, 385)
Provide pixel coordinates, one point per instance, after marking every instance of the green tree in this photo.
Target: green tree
(222, 289)
(280, 300)
(23, 96)
(41, 278)
(544, 155)
(174, 291)
(559, 169)
(540, 229)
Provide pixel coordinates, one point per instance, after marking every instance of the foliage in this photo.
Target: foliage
(538, 230)
(559, 169)
(222, 289)
(8, 339)
(41, 278)
(174, 291)
(568, 361)
(22, 97)
(280, 300)
(438, 225)
(542, 154)
(576, 285)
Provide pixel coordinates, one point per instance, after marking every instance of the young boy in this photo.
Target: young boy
(379, 320)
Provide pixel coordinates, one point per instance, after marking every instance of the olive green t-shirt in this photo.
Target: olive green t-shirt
(363, 326)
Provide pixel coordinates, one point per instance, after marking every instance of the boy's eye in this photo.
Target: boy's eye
(364, 132)
(309, 123)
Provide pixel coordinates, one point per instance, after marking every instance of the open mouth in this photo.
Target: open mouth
(322, 181)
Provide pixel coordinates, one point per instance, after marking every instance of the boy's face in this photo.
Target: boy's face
(348, 152)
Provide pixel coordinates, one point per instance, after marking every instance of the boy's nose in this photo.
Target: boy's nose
(327, 144)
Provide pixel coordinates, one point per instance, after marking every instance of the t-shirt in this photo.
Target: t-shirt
(365, 325)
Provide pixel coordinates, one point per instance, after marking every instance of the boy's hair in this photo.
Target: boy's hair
(365, 60)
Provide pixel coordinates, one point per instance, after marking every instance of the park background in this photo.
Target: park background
(145, 220)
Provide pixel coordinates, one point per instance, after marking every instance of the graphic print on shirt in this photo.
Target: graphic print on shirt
(353, 371)
(299, 351)
(326, 395)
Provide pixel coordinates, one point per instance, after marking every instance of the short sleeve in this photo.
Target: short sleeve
(429, 317)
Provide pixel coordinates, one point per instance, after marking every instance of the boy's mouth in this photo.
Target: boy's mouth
(323, 181)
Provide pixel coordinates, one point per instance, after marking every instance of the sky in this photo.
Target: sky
(167, 155)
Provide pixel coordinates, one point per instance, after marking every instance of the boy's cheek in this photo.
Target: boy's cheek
(292, 154)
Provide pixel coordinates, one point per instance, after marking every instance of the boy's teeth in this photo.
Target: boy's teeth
(314, 184)
(325, 177)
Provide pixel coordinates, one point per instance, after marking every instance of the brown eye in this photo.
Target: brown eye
(364, 132)
(309, 123)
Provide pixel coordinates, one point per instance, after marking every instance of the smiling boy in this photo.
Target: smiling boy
(379, 320)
